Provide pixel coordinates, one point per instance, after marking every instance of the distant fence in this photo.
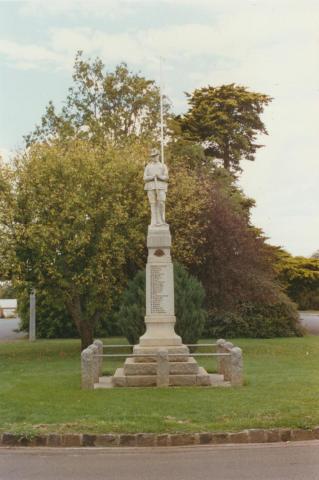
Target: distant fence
(229, 361)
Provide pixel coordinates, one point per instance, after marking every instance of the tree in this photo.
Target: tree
(103, 108)
(7, 290)
(237, 265)
(226, 121)
(74, 230)
(300, 276)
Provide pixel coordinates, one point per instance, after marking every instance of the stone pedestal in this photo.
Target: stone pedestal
(160, 316)
(160, 320)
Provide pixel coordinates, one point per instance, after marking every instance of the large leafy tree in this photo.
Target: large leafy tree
(226, 120)
(73, 226)
(103, 107)
(237, 264)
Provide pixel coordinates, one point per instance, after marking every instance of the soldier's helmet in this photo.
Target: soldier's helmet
(154, 152)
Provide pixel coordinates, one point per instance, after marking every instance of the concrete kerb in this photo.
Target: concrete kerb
(159, 440)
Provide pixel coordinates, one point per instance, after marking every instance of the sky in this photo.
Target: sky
(269, 46)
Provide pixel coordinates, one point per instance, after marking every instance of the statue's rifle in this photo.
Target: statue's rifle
(161, 112)
(156, 186)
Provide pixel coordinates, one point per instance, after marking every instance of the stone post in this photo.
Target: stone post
(220, 360)
(227, 361)
(87, 376)
(236, 374)
(32, 324)
(99, 345)
(162, 379)
(95, 351)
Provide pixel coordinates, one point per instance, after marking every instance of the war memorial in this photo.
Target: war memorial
(160, 359)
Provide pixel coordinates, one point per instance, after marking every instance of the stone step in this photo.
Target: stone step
(121, 380)
(131, 367)
(149, 351)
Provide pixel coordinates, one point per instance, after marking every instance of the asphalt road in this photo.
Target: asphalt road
(285, 461)
(7, 327)
(310, 320)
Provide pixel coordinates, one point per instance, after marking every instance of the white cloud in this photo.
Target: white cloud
(120, 8)
(30, 56)
(76, 8)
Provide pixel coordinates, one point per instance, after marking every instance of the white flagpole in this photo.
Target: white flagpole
(161, 105)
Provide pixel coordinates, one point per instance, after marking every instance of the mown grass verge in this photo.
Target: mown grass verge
(40, 392)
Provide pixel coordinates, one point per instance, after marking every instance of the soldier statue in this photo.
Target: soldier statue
(156, 178)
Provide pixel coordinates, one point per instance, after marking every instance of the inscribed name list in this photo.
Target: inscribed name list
(159, 289)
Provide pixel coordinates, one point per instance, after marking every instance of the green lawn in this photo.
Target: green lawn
(40, 392)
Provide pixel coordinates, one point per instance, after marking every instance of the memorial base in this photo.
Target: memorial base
(144, 374)
(141, 370)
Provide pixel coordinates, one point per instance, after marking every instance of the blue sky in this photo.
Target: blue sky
(270, 46)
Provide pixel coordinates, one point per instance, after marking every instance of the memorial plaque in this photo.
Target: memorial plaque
(159, 290)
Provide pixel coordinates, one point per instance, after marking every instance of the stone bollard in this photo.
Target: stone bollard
(227, 361)
(162, 377)
(220, 360)
(95, 351)
(87, 374)
(99, 345)
(236, 376)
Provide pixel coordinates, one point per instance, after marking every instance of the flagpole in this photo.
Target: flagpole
(161, 107)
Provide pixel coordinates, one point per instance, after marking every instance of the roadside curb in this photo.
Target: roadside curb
(159, 440)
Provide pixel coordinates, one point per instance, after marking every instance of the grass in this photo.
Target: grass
(40, 392)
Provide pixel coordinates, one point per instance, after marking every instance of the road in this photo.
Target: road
(284, 461)
(7, 327)
(310, 320)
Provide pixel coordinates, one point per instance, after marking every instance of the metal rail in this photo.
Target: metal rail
(188, 345)
(155, 354)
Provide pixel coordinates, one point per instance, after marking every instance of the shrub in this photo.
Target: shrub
(189, 297)
(131, 313)
(279, 319)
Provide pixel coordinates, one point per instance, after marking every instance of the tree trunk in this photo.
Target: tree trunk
(86, 332)
(85, 328)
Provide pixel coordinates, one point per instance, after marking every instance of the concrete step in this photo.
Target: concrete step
(131, 367)
(121, 380)
(149, 351)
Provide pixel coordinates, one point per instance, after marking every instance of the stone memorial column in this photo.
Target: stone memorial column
(160, 315)
(160, 358)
